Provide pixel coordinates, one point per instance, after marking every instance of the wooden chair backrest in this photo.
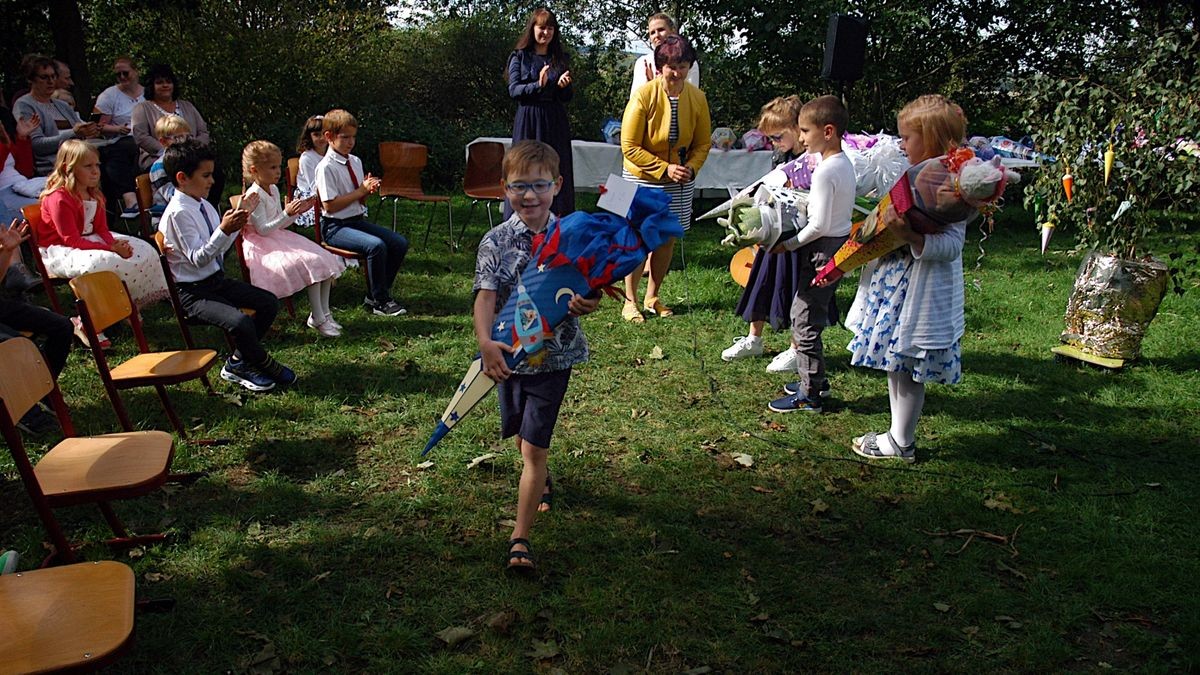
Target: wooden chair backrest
(484, 162)
(402, 164)
(292, 176)
(26, 379)
(106, 297)
(145, 191)
(160, 240)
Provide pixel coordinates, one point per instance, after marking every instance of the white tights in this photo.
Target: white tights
(907, 398)
(318, 300)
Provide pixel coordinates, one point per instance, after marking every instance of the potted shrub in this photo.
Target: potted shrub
(1125, 135)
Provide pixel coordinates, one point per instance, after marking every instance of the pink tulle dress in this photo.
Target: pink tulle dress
(280, 260)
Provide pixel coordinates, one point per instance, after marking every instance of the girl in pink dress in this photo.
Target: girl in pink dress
(280, 260)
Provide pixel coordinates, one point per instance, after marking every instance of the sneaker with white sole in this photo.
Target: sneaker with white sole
(240, 372)
(793, 388)
(743, 347)
(784, 362)
(388, 308)
(795, 403)
(326, 327)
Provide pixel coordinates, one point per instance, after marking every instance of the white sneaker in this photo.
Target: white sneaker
(325, 328)
(743, 347)
(784, 362)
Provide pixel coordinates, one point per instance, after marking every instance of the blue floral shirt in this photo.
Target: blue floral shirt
(503, 254)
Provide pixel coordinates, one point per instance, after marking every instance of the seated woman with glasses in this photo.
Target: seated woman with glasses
(57, 121)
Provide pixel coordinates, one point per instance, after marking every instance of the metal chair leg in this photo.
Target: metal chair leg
(428, 226)
(394, 202)
(450, 222)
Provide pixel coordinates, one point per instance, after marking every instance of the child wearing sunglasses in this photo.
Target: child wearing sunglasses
(530, 395)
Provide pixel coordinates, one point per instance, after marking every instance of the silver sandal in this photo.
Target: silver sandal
(868, 446)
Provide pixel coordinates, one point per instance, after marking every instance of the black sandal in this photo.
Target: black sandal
(527, 554)
(547, 496)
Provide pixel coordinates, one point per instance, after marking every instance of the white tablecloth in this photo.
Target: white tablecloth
(724, 168)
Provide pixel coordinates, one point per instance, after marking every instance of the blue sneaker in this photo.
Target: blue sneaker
(240, 372)
(793, 388)
(793, 403)
(281, 374)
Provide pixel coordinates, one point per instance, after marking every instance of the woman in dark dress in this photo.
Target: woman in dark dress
(539, 79)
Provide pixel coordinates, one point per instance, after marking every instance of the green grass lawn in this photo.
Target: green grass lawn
(1046, 526)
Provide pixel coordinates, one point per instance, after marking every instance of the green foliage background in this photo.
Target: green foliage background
(432, 71)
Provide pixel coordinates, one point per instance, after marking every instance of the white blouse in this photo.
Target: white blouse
(268, 216)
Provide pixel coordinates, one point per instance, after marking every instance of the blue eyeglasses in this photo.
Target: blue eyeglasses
(540, 187)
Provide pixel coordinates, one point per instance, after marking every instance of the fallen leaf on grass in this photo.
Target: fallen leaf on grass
(819, 506)
(941, 607)
(773, 425)
(778, 634)
(656, 353)
(759, 618)
(506, 522)
(322, 575)
(970, 632)
(743, 459)
(543, 650)
(233, 399)
(501, 621)
(836, 485)
(154, 577)
(454, 635)
(761, 489)
(1002, 502)
(481, 459)
(254, 529)
(1009, 621)
(425, 465)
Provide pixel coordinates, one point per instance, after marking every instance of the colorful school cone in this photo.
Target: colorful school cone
(473, 388)
(1047, 232)
(1068, 183)
(1109, 156)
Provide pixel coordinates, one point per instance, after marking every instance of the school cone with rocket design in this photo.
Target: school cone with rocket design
(582, 253)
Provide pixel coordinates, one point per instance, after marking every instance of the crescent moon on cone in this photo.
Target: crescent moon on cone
(561, 292)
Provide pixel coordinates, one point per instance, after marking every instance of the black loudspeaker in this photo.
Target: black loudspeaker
(845, 48)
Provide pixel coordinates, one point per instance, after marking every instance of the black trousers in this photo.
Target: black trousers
(55, 329)
(218, 300)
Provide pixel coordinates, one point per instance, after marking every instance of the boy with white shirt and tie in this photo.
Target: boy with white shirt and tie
(343, 188)
(198, 238)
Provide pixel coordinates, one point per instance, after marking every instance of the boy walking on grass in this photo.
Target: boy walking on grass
(830, 205)
(530, 395)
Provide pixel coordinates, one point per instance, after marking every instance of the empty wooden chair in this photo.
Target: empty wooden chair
(145, 200)
(292, 177)
(70, 618)
(402, 166)
(484, 178)
(78, 470)
(103, 300)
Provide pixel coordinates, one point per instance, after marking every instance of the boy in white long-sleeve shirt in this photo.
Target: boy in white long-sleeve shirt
(830, 206)
(198, 238)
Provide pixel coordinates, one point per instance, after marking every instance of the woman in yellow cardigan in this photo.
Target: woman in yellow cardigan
(665, 137)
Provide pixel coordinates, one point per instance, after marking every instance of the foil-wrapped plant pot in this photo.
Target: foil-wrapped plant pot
(1112, 304)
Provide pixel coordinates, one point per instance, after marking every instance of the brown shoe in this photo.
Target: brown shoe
(631, 314)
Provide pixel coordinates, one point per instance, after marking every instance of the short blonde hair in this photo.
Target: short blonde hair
(171, 125)
(529, 156)
(70, 154)
(939, 120)
(259, 153)
(782, 112)
(337, 119)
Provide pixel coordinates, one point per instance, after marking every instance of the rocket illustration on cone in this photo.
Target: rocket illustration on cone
(580, 254)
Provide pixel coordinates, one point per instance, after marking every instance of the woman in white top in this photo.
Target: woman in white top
(658, 27)
(119, 158)
(280, 260)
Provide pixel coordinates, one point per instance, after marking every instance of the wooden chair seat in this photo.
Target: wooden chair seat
(415, 195)
(163, 367)
(66, 617)
(345, 253)
(82, 466)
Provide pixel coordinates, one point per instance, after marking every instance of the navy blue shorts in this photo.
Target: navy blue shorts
(529, 405)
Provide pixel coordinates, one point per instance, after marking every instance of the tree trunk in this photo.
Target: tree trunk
(67, 25)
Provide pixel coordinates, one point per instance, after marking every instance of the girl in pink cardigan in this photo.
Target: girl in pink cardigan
(74, 238)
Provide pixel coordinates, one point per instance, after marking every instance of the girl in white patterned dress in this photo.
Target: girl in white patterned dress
(907, 316)
(74, 238)
(280, 260)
